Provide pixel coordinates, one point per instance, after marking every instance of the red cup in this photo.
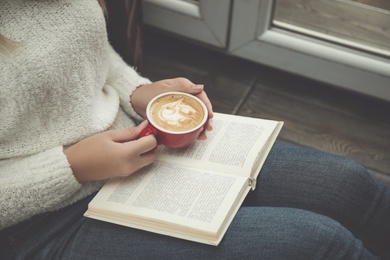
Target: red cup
(174, 139)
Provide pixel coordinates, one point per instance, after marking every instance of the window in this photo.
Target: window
(360, 24)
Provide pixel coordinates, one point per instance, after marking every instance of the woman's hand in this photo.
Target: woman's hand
(112, 153)
(141, 97)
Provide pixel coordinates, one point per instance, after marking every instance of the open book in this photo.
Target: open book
(192, 193)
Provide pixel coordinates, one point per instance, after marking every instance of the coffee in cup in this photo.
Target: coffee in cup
(176, 112)
(175, 118)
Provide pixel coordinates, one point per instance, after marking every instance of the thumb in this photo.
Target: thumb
(128, 134)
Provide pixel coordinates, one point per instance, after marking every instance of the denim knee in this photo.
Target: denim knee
(287, 233)
(350, 171)
(337, 241)
(300, 234)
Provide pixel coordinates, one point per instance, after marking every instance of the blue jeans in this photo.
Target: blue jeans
(307, 205)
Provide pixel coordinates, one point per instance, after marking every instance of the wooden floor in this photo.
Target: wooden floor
(315, 114)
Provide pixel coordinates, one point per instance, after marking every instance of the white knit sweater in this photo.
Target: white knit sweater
(63, 83)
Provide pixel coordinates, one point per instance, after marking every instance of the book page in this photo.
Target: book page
(233, 146)
(175, 195)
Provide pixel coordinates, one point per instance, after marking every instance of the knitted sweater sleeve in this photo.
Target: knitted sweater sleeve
(125, 80)
(24, 195)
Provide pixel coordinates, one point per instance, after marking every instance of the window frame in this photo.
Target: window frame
(206, 21)
(253, 37)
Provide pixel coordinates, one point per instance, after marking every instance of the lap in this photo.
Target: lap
(313, 180)
(289, 214)
(272, 233)
(327, 184)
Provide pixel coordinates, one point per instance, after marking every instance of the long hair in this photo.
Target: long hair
(102, 4)
(7, 45)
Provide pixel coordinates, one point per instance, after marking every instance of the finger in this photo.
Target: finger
(128, 134)
(136, 131)
(149, 156)
(209, 125)
(185, 85)
(202, 135)
(141, 145)
(203, 96)
(146, 159)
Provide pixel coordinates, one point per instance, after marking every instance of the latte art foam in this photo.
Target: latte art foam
(177, 112)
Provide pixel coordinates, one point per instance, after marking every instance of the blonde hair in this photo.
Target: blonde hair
(7, 45)
(102, 4)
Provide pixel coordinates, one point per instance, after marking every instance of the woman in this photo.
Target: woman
(68, 107)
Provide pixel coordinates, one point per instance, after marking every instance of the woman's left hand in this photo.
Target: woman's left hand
(142, 95)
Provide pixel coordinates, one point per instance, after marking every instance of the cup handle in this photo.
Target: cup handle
(149, 130)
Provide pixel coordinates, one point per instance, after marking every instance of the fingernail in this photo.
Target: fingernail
(198, 86)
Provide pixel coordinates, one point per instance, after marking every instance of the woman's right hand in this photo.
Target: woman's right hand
(114, 153)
